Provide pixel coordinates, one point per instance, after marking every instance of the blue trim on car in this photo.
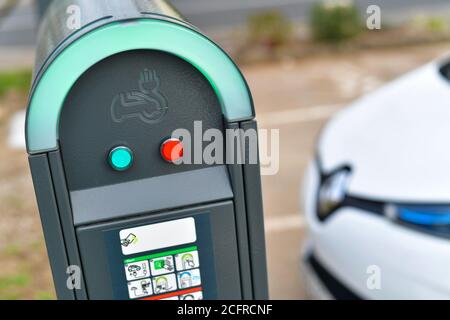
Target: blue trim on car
(425, 218)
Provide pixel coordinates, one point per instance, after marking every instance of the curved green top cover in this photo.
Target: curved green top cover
(50, 93)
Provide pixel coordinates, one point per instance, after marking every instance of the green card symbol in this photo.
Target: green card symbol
(159, 264)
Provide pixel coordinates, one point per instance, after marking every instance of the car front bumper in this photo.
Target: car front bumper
(372, 257)
(320, 284)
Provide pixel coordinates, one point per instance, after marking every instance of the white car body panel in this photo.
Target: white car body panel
(413, 113)
(395, 141)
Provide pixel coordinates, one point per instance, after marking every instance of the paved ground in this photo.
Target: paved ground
(14, 58)
(296, 97)
(19, 28)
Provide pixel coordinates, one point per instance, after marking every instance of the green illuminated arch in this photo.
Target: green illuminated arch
(54, 85)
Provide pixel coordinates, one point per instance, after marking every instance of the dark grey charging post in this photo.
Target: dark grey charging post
(118, 210)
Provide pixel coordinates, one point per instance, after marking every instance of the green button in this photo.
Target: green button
(121, 158)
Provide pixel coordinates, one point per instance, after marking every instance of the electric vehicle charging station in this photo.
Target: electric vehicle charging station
(105, 100)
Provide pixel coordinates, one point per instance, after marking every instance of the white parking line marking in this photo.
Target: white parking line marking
(16, 136)
(285, 223)
(284, 117)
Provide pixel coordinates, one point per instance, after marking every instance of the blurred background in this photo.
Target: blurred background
(304, 60)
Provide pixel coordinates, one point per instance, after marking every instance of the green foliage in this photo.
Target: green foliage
(18, 80)
(271, 29)
(18, 280)
(12, 250)
(432, 24)
(436, 24)
(335, 21)
(44, 296)
(10, 287)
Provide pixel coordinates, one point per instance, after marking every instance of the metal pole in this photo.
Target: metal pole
(42, 6)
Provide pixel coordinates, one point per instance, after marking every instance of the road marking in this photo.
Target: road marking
(16, 136)
(352, 81)
(301, 115)
(285, 223)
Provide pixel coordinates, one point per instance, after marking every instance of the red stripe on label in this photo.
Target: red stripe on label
(173, 294)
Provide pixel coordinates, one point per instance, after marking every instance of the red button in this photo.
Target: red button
(172, 150)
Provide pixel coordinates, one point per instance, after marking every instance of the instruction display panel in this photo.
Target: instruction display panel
(167, 274)
(163, 261)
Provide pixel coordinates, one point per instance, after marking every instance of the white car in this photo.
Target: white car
(377, 196)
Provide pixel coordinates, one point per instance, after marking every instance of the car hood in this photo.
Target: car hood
(396, 140)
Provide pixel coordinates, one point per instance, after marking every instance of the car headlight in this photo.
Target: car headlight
(332, 192)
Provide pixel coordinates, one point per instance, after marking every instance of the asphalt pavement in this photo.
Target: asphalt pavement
(18, 29)
(212, 15)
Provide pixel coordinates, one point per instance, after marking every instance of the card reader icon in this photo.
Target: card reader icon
(130, 239)
(165, 264)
